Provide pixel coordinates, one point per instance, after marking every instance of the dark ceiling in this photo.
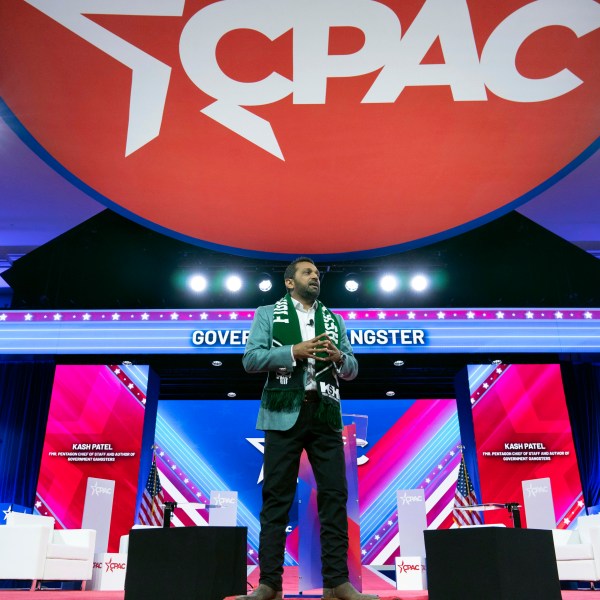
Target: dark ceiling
(111, 262)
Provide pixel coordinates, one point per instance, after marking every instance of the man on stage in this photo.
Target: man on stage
(305, 351)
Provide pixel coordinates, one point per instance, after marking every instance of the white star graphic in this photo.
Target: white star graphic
(117, 371)
(28, 317)
(587, 315)
(198, 495)
(411, 315)
(381, 315)
(145, 316)
(204, 316)
(174, 466)
(451, 452)
(259, 444)
(499, 315)
(162, 454)
(115, 316)
(363, 552)
(440, 467)
(130, 386)
(86, 316)
(581, 504)
(485, 386)
(174, 316)
(566, 520)
(390, 523)
(233, 316)
(428, 480)
(470, 315)
(441, 315)
(57, 317)
(558, 315)
(3, 317)
(377, 537)
(529, 315)
(352, 315)
(186, 480)
(499, 371)
(38, 504)
(7, 511)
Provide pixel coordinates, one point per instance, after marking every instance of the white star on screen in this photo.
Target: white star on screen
(500, 315)
(145, 316)
(174, 316)
(377, 537)
(233, 316)
(441, 315)
(470, 315)
(558, 314)
(28, 317)
(411, 315)
(186, 480)
(130, 386)
(2, 317)
(57, 317)
(203, 316)
(566, 520)
(38, 504)
(86, 316)
(117, 371)
(529, 315)
(581, 504)
(587, 315)
(115, 316)
(352, 315)
(499, 371)
(7, 511)
(381, 315)
(259, 444)
(485, 386)
(174, 467)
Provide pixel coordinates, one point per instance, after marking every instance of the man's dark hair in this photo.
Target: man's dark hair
(290, 270)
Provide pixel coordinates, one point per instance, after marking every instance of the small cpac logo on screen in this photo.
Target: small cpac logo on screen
(404, 120)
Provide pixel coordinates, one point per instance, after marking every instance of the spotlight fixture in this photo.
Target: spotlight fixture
(351, 284)
(216, 363)
(398, 363)
(231, 394)
(388, 283)
(496, 362)
(419, 283)
(127, 363)
(265, 284)
(197, 283)
(233, 283)
(390, 393)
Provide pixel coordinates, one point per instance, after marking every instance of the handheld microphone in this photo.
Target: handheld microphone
(311, 323)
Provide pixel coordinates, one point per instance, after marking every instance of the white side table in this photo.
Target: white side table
(109, 571)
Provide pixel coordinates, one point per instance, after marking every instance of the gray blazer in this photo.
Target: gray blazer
(261, 357)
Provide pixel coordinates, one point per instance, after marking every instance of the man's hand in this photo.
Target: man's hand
(317, 345)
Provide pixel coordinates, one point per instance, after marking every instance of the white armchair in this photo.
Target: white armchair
(30, 548)
(578, 550)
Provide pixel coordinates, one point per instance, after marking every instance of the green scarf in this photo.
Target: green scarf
(284, 390)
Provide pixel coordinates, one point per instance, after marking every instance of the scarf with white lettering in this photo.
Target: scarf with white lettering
(285, 390)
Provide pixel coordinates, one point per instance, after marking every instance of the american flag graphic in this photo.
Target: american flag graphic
(465, 496)
(151, 508)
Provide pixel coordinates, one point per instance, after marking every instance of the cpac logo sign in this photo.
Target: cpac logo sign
(397, 57)
(430, 112)
(406, 499)
(533, 490)
(99, 490)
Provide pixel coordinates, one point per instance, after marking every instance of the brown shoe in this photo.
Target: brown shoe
(262, 592)
(346, 591)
